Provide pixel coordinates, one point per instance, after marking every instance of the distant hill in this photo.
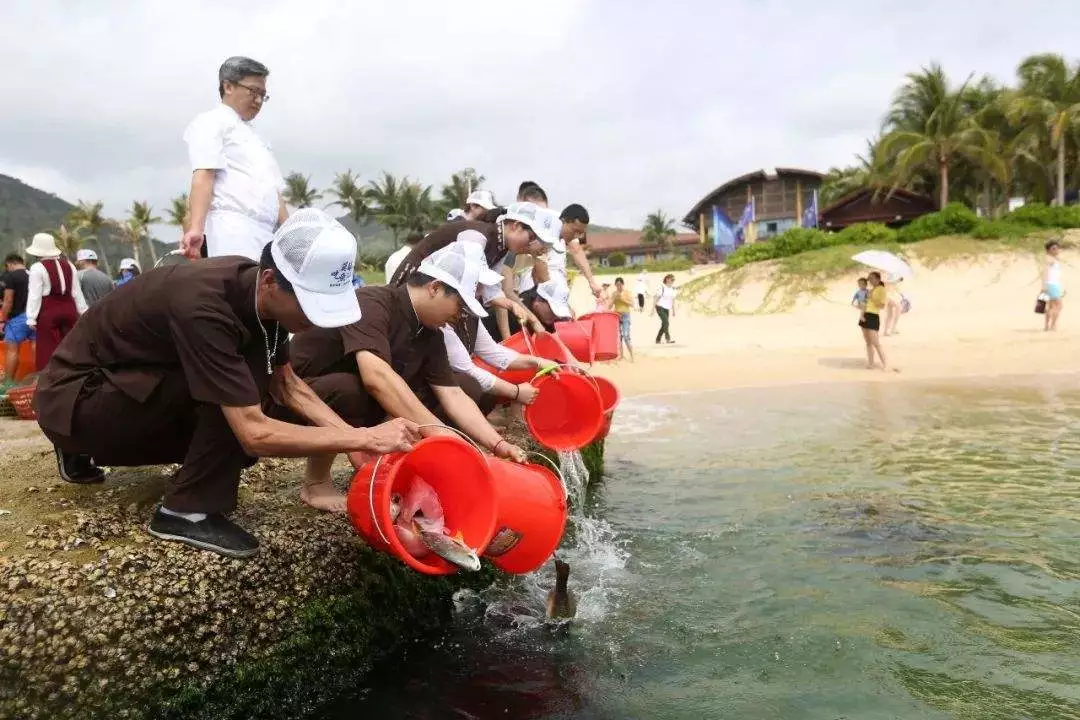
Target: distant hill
(25, 210)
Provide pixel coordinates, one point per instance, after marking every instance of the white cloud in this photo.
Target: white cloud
(624, 107)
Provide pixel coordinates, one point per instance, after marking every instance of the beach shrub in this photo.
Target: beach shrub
(866, 234)
(1004, 228)
(1046, 216)
(616, 259)
(953, 219)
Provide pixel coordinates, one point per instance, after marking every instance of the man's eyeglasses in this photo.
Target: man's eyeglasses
(260, 94)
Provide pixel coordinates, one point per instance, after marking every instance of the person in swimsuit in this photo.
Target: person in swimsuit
(1052, 285)
(870, 319)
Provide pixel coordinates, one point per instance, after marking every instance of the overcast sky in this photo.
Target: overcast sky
(623, 105)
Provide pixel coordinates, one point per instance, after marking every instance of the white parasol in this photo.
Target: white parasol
(885, 262)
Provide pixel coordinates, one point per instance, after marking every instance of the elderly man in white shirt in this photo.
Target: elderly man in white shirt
(236, 185)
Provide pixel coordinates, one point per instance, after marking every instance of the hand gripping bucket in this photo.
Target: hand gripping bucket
(532, 515)
(456, 470)
(567, 413)
(609, 400)
(605, 334)
(577, 335)
(542, 345)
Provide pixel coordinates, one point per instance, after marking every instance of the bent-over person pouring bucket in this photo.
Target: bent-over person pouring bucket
(155, 375)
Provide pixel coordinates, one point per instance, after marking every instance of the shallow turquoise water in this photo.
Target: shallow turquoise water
(849, 551)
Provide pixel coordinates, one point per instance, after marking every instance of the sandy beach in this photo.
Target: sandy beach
(969, 318)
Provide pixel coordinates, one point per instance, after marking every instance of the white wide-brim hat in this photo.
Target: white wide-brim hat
(43, 246)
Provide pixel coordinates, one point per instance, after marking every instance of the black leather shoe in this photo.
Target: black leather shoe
(215, 533)
(77, 469)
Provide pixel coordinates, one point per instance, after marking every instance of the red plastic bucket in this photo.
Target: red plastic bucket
(567, 413)
(609, 400)
(532, 516)
(542, 345)
(459, 475)
(605, 334)
(577, 335)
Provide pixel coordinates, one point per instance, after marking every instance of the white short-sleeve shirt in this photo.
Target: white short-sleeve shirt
(248, 180)
(665, 298)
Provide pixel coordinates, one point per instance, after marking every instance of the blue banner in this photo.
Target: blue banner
(723, 232)
(810, 214)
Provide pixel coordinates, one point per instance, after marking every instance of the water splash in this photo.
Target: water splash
(576, 477)
(591, 547)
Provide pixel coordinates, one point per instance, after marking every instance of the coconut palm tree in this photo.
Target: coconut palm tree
(868, 172)
(658, 230)
(143, 215)
(929, 129)
(351, 196)
(386, 194)
(419, 212)
(69, 241)
(131, 232)
(456, 192)
(89, 217)
(1050, 93)
(179, 213)
(298, 191)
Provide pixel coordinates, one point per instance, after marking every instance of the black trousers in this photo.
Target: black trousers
(170, 427)
(665, 317)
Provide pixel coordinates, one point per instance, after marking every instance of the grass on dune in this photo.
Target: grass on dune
(808, 274)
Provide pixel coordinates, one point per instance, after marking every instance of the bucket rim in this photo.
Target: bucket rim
(381, 510)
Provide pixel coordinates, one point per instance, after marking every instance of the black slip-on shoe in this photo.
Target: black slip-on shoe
(215, 533)
(77, 469)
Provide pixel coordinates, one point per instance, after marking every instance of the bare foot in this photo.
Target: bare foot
(323, 496)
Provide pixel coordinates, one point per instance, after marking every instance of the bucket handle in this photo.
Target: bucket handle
(571, 368)
(375, 470)
(558, 471)
(528, 342)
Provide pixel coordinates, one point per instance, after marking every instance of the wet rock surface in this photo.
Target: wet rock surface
(97, 618)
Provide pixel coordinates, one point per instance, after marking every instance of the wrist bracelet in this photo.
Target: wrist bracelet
(517, 392)
(496, 445)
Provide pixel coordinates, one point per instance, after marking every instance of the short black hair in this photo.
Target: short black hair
(1052, 243)
(575, 213)
(619, 280)
(266, 262)
(14, 258)
(529, 191)
(419, 279)
(413, 238)
(529, 296)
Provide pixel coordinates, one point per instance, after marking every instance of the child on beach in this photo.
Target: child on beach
(859, 298)
(870, 319)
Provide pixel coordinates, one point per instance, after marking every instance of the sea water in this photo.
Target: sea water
(878, 550)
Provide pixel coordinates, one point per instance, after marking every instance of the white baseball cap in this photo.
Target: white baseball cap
(316, 254)
(85, 254)
(557, 295)
(128, 264)
(460, 265)
(545, 223)
(483, 198)
(455, 214)
(548, 228)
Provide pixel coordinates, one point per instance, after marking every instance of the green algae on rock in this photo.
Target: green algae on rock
(99, 620)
